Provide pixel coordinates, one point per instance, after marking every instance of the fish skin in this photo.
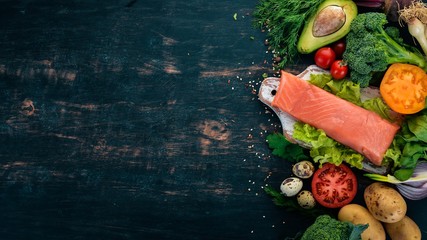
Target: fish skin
(360, 129)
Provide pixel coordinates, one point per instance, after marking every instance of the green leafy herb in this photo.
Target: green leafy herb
(285, 149)
(291, 204)
(418, 127)
(357, 230)
(412, 140)
(284, 20)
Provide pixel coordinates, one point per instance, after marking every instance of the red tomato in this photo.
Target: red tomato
(339, 48)
(324, 57)
(334, 186)
(339, 69)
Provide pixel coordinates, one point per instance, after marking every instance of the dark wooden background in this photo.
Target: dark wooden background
(136, 120)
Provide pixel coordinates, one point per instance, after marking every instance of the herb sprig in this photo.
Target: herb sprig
(291, 204)
(285, 149)
(284, 21)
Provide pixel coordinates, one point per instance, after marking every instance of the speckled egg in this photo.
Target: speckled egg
(306, 200)
(291, 186)
(303, 169)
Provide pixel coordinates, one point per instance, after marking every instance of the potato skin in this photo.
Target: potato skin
(358, 214)
(405, 229)
(384, 202)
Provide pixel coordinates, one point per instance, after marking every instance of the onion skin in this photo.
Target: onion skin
(415, 188)
(413, 191)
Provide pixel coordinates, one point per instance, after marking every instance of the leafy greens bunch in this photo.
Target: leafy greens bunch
(284, 21)
(372, 46)
(412, 139)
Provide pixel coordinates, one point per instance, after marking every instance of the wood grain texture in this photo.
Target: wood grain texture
(131, 120)
(135, 120)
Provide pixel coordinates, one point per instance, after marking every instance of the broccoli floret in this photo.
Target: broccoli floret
(371, 48)
(327, 228)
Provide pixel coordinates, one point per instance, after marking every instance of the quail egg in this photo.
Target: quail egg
(291, 186)
(303, 169)
(306, 200)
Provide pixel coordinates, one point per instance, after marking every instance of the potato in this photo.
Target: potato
(405, 229)
(385, 203)
(358, 214)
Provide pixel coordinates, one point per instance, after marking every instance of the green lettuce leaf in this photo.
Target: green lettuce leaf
(344, 89)
(378, 106)
(320, 80)
(393, 154)
(325, 149)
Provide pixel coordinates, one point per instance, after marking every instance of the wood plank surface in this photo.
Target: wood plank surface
(136, 120)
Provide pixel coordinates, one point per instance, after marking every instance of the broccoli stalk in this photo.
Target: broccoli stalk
(371, 48)
(327, 228)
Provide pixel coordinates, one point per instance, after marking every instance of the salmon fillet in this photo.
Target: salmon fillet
(362, 130)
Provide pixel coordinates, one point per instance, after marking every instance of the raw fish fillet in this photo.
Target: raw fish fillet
(362, 130)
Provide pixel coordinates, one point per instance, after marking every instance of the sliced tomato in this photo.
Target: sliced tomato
(404, 88)
(334, 186)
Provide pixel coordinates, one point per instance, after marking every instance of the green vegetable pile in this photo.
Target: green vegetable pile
(372, 47)
(412, 139)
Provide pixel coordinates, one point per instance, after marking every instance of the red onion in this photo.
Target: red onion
(415, 188)
(377, 4)
(389, 7)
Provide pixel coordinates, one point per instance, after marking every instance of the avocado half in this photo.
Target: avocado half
(330, 23)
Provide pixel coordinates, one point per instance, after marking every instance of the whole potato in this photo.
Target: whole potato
(358, 214)
(405, 229)
(385, 203)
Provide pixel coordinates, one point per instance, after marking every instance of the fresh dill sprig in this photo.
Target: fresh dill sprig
(284, 20)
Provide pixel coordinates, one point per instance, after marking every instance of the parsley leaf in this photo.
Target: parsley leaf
(291, 204)
(285, 149)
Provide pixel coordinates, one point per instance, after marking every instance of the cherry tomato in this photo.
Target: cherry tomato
(334, 186)
(339, 48)
(324, 57)
(339, 69)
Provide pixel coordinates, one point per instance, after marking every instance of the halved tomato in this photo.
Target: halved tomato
(404, 88)
(334, 186)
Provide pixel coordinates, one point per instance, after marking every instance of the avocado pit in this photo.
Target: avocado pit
(329, 20)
